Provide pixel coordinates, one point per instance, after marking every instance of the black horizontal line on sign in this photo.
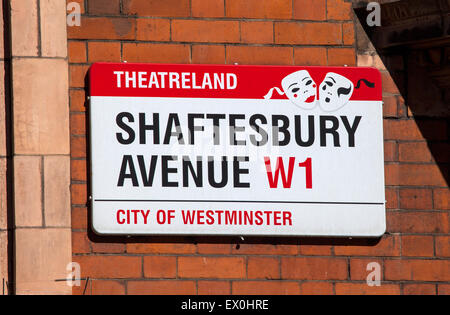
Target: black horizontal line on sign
(244, 201)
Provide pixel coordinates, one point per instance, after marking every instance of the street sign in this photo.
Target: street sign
(236, 150)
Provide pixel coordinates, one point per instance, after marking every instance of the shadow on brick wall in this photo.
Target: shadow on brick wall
(414, 44)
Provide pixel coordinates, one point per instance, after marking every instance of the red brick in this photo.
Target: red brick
(402, 108)
(164, 287)
(417, 222)
(442, 244)
(441, 198)
(78, 147)
(78, 75)
(310, 10)
(310, 56)
(265, 288)
(348, 33)
(210, 8)
(99, 287)
(104, 28)
(265, 249)
(316, 288)
(308, 33)
(160, 267)
(419, 289)
(104, 52)
(341, 57)
(78, 124)
(443, 289)
(339, 10)
(79, 218)
(257, 32)
(77, 52)
(251, 55)
(104, 7)
(208, 54)
(390, 106)
(416, 199)
(173, 53)
(78, 170)
(364, 289)
(358, 268)
(214, 249)
(160, 248)
(401, 130)
(417, 246)
(365, 60)
(153, 30)
(80, 243)
(79, 194)
(108, 248)
(109, 266)
(211, 267)
(391, 198)
(107, 287)
(390, 151)
(77, 101)
(414, 175)
(388, 245)
(391, 174)
(259, 9)
(315, 250)
(417, 270)
(214, 287)
(263, 268)
(414, 152)
(205, 31)
(168, 8)
(313, 268)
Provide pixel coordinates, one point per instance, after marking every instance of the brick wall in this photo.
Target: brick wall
(414, 253)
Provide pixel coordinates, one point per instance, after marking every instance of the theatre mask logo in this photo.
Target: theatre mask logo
(299, 88)
(333, 93)
(222, 150)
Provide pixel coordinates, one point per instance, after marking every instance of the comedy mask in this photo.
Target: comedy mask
(334, 92)
(299, 88)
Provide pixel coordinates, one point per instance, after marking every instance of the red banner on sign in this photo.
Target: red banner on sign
(300, 84)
